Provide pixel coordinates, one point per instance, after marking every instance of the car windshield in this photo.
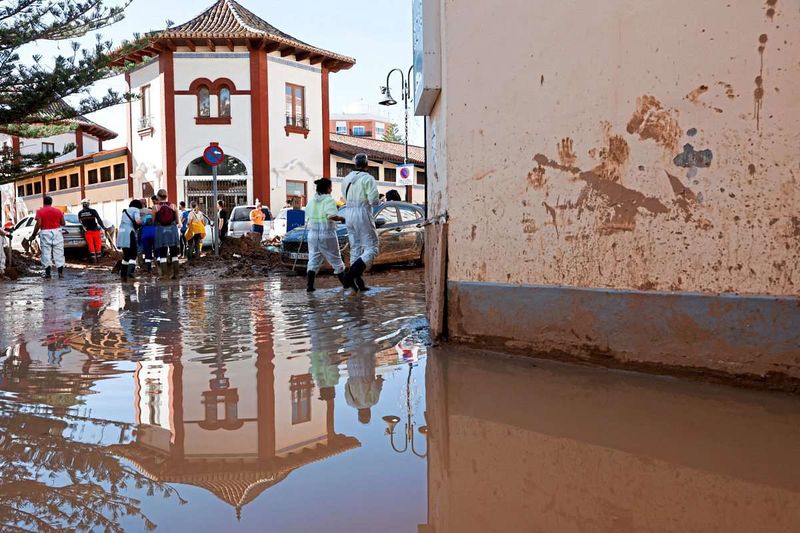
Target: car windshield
(71, 219)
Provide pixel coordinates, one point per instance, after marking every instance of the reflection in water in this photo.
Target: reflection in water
(225, 388)
(523, 446)
(54, 478)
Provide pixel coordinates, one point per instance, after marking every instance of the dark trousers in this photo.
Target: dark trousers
(167, 252)
(129, 253)
(193, 247)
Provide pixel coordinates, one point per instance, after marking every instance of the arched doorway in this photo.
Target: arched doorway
(231, 183)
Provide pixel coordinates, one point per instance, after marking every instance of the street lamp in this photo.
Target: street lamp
(392, 421)
(405, 96)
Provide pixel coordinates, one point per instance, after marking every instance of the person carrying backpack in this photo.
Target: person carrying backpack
(167, 237)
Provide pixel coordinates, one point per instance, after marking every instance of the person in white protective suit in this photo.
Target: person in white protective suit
(323, 245)
(361, 195)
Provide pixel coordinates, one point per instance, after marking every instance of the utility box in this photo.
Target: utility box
(295, 218)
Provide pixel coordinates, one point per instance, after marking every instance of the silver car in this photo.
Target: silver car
(239, 223)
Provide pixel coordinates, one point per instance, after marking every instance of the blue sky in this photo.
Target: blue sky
(376, 32)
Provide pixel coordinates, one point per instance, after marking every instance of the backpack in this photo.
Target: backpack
(165, 215)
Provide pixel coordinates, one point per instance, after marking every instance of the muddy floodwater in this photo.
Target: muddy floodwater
(254, 406)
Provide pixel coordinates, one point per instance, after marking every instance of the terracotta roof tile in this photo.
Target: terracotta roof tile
(375, 149)
(228, 19)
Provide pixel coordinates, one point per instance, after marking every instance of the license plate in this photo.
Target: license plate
(294, 255)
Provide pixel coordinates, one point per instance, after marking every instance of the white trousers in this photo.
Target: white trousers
(324, 246)
(2, 254)
(51, 242)
(362, 234)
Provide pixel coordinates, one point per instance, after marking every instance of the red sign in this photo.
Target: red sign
(213, 155)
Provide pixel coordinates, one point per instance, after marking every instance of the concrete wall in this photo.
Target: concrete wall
(642, 146)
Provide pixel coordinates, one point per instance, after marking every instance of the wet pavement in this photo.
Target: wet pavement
(253, 406)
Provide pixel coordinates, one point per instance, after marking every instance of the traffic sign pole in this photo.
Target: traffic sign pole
(213, 155)
(215, 226)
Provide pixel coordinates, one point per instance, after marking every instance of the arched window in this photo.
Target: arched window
(230, 166)
(224, 102)
(203, 102)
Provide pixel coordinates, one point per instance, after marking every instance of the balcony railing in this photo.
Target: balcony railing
(297, 122)
(361, 133)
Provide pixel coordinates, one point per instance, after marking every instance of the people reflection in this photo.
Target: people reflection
(363, 388)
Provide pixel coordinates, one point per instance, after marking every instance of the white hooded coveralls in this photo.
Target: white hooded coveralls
(323, 245)
(361, 195)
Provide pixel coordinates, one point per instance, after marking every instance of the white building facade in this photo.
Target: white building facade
(229, 77)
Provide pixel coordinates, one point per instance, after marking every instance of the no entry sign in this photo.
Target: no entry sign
(213, 155)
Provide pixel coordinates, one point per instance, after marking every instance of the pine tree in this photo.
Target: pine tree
(392, 133)
(30, 93)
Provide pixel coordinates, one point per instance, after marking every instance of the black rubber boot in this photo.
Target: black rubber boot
(46, 274)
(343, 279)
(131, 270)
(123, 273)
(176, 268)
(60, 272)
(163, 270)
(361, 285)
(310, 275)
(356, 269)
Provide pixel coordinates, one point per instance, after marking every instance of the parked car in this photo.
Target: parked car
(400, 233)
(240, 221)
(279, 225)
(73, 233)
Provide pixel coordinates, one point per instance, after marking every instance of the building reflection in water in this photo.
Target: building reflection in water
(522, 446)
(233, 426)
(228, 402)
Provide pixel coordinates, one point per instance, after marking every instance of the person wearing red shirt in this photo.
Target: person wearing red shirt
(49, 221)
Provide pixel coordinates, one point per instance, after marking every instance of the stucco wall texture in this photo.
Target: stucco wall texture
(630, 144)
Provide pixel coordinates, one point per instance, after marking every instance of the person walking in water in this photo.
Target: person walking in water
(91, 222)
(49, 221)
(167, 238)
(126, 238)
(323, 245)
(361, 195)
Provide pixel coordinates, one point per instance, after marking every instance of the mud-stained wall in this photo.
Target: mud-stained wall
(627, 144)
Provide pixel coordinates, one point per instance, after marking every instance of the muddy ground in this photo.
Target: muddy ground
(239, 259)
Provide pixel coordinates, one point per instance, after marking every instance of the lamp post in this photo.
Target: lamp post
(405, 96)
(393, 420)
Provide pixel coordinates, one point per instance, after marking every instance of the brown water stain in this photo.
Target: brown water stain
(651, 121)
(695, 95)
(758, 93)
(771, 8)
(729, 92)
(479, 177)
(685, 198)
(528, 225)
(536, 177)
(613, 158)
(552, 212)
(751, 169)
(623, 202)
(566, 153)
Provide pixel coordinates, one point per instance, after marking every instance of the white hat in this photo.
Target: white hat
(85, 201)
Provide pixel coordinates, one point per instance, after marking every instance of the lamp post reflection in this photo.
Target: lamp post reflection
(393, 420)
